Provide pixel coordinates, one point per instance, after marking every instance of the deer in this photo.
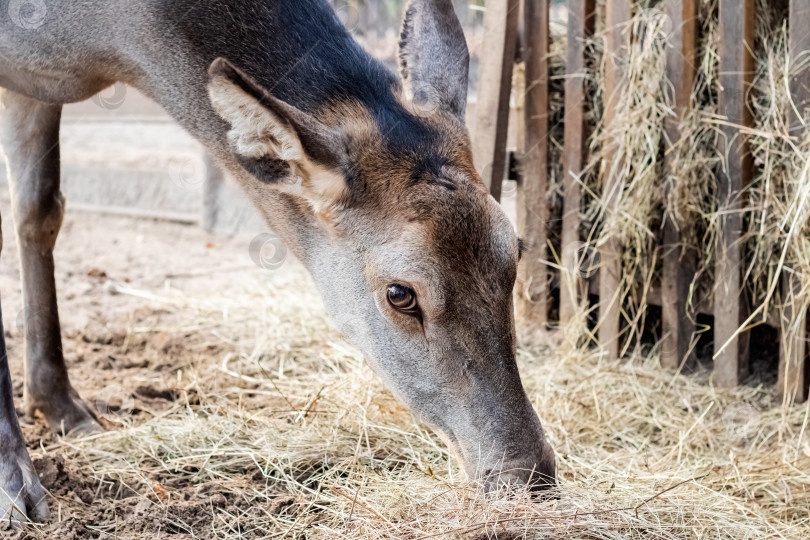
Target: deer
(366, 176)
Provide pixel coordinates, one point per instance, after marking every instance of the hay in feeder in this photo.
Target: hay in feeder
(628, 155)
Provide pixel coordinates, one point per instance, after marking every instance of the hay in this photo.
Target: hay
(313, 447)
(778, 239)
(556, 116)
(692, 177)
(632, 142)
(628, 155)
(624, 196)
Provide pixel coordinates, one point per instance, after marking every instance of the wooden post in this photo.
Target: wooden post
(494, 90)
(617, 15)
(794, 364)
(212, 185)
(679, 264)
(533, 209)
(581, 18)
(736, 73)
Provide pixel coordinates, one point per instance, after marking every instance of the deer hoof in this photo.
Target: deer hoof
(22, 499)
(68, 414)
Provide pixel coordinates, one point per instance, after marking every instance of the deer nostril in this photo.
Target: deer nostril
(537, 481)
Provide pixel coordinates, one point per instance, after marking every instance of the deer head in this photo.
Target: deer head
(415, 261)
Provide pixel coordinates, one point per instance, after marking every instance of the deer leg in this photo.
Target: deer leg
(21, 495)
(29, 135)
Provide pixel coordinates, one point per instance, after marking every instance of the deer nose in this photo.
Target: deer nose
(536, 482)
(538, 474)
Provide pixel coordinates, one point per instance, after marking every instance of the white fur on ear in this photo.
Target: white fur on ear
(255, 131)
(327, 186)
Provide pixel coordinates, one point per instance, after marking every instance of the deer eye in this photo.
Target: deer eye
(402, 298)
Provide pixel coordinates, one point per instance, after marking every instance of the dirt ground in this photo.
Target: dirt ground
(133, 358)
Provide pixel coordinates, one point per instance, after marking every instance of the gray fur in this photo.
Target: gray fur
(21, 495)
(433, 57)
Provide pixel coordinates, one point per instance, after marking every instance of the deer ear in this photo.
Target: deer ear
(433, 56)
(277, 143)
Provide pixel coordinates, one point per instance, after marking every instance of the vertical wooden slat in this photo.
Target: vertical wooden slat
(736, 72)
(617, 14)
(212, 187)
(799, 21)
(581, 18)
(533, 206)
(794, 365)
(494, 89)
(678, 262)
